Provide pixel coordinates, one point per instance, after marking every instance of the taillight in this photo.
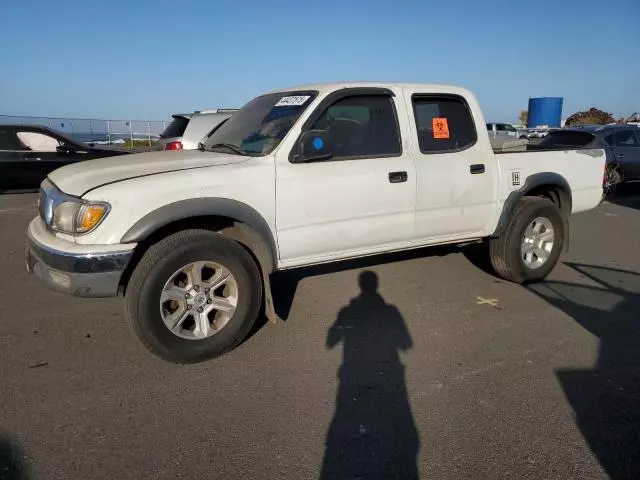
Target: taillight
(173, 146)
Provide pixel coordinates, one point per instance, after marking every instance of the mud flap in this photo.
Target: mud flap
(269, 307)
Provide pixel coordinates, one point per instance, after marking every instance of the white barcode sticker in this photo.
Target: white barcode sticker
(292, 101)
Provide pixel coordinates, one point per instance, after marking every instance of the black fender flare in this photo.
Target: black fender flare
(197, 207)
(541, 179)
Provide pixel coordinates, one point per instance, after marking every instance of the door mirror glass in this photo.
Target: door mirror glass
(314, 145)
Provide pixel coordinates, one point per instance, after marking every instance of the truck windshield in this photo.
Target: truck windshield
(259, 127)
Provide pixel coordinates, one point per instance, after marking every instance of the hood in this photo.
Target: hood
(78, 178)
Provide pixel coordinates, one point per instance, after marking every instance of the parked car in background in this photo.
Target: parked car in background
(29, 152)
(620, 142)
(187, 129)
(505, 130)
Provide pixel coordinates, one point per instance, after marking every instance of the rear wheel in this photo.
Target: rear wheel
(531, 244)
(194, 295)
(614, 176)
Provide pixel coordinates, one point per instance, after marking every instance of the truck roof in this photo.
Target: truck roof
(324, 87)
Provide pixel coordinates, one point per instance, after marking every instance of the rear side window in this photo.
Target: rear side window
(609, 140)
(9, 141)
(362, 126)
(444, 123)
(625, 138)
(561, 138)
(176, 128)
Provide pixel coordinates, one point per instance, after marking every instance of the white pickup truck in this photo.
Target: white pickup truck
(299, 177)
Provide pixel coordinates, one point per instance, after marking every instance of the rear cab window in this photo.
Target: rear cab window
(444, 123)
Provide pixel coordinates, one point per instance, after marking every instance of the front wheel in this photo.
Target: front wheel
(194, 295)
(531, 244)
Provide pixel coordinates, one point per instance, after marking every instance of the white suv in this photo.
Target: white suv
(188, 129)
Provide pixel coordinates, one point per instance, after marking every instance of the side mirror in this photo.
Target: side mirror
(64, 150)
(314, 145)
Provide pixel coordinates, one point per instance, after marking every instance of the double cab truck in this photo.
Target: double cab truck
(299, 177)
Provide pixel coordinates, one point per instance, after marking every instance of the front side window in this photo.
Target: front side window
(361, 126)
(444, 123)
(625, 138)
(38, 142)
(259, 127)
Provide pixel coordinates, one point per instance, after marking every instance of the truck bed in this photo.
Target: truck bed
(578, 166)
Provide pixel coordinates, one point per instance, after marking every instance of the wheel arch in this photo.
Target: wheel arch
(231, 218)
(549, 185)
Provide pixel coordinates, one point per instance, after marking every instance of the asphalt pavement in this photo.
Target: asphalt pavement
(419, 364)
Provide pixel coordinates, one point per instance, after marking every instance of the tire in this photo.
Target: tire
(506, 254)
(155, 272)
(614, 176)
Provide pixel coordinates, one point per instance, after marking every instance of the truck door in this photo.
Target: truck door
(455, 168)
(359, 200)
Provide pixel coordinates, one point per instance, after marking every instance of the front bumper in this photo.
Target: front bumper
(81, 270)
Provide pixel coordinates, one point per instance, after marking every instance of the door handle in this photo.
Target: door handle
(37, 159)
(477, 168)
(620, 155)
(398, 177)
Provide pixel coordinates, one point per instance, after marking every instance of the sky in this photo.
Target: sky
(144, 60)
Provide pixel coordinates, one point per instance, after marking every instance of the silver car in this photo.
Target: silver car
(506, 130)
(187, 129)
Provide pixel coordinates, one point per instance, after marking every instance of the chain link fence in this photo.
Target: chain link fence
(96, 131)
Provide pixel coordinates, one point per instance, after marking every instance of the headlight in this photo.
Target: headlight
(79, 217)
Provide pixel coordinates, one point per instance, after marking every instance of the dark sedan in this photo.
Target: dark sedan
(29, 152)
(621, 143)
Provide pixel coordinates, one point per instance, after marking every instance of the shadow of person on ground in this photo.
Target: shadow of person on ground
(12, 461)
(285, 283)
(606, 399)
(372, 434)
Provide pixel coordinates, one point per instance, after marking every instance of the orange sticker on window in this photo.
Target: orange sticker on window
(440, 128)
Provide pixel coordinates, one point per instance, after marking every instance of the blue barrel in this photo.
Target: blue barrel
(544, 111)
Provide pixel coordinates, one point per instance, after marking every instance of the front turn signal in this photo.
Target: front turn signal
(90, 216)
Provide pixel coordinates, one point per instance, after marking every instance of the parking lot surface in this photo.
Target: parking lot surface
(415, 364)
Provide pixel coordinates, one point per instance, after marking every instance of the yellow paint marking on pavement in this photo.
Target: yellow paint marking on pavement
(488, 301)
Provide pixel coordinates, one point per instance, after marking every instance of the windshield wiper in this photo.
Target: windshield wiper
(230, 146)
